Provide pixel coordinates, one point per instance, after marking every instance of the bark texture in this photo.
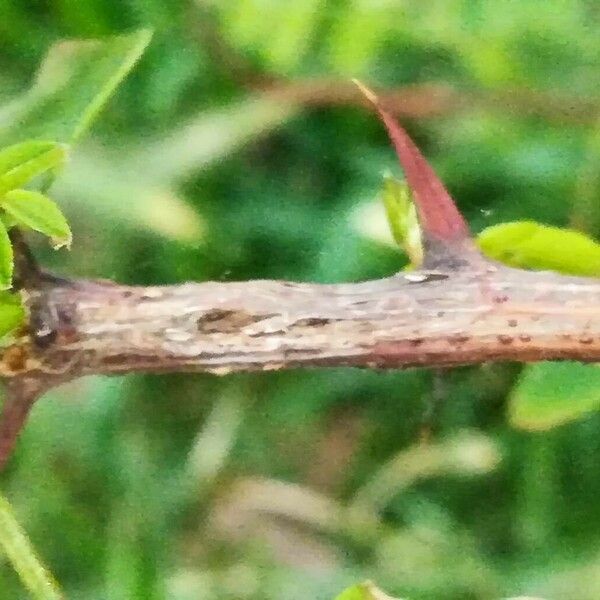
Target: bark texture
(446, 317)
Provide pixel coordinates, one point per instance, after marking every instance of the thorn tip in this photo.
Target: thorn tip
(367, 92)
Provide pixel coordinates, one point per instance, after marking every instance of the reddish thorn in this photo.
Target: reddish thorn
(440, 219)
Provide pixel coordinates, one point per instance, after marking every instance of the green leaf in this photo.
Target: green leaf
(552, 393)
(7, 220)
(6, 259)
(356, 592)
(12, 313)
(402, 218)
(38, 212)
(527, 244)
(22, 173)
(17, 154)
(364, 591)
(73, 83)
(19, 551)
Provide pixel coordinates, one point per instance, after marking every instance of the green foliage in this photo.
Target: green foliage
(402, 218)
(173, 186)
(548, 394)
(19, 164)
(6, 260)
(34, 157)
(295, 23)
(364, 591)
(31, 165)
(74, 82)
(530, 245)
(356, 592)
(92, 72)
(12, 313)
(36, 211)
(17, 548)
(522, 244)
(552, 393)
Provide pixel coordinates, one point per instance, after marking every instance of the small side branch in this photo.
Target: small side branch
(19, 396)
(27, 271)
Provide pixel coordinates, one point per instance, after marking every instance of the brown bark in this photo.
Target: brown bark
(427, 318)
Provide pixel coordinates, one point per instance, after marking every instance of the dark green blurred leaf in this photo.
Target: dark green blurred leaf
(285, 46)
(138, 188)
(38, 212)
(73, 83)
(208, 137)
(552, 393)
(19, 551)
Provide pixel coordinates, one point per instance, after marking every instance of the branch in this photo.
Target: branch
(459, 309)
(435, 99)
(423, 318)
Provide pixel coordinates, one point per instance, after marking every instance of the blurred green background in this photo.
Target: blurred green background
(237, 149)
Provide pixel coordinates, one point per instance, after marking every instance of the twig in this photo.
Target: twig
(434, 99)
(415, 101)
(19, 396)
(27, 271)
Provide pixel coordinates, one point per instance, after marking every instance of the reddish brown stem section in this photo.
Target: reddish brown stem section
(440, 318)
(20, 395)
